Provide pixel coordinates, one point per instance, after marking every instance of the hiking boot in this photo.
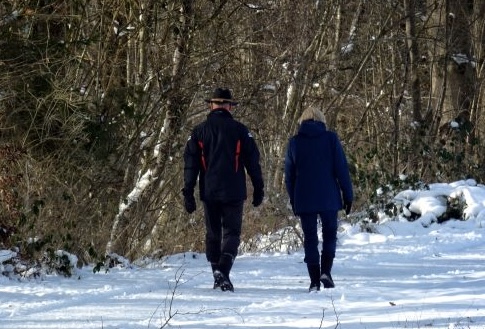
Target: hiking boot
(314, 286)
(217, 284)
(327, 280)
(222, 281)
(215, 267)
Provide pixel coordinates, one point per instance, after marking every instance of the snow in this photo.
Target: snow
(405, 274)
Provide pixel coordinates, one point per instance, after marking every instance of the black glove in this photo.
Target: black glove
(347, 207)
(189, 201)
(258, 196)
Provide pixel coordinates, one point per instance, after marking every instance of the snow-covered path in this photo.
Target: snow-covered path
(405, 277)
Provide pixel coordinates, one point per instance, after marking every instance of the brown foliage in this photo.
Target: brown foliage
(9, 199)
(95, 95)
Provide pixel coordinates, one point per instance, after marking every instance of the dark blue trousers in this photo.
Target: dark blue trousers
(223, 222)
(309, 225)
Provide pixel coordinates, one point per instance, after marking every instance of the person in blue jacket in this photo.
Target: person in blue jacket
(318, 183)
(218, 153)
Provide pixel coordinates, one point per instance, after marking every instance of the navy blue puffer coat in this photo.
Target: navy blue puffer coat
(316, 170)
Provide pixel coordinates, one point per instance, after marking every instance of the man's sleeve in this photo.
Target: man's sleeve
(251, 160)
(191, 164)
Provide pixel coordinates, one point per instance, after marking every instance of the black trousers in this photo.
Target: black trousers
(309, 224)
(223, 221)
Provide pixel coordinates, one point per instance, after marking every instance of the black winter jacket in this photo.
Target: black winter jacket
(219, 151)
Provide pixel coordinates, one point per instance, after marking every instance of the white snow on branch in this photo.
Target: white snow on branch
(134, 195)
(346, 49)
(463, 59)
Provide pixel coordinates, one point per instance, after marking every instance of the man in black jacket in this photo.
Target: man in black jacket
(219, 152)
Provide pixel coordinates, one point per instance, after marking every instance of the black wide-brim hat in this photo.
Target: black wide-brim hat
(221, 95)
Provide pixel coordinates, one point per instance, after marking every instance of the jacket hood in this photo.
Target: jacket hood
(312, 128)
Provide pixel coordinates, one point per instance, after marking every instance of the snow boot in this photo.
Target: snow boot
(314, 273)
(327, 281)
(326, 268)
(221, 274)
(215, 267)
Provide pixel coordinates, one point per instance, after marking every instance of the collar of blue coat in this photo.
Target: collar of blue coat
(312, 128)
